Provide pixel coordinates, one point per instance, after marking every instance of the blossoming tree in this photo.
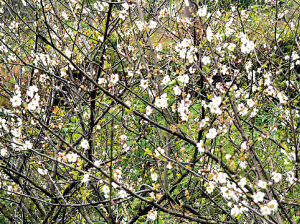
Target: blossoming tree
(136, 111)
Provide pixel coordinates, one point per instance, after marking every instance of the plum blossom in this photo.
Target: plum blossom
(68, 53)
(149, 110)
(114, 78)
(162, 101)
(159, 151)
(273, 205)
(123, 14)
(152, 215)
(242, 109)
(105, 189)
(231, 46)
(169, 166)
(140, 25)
(210, 188)
(27, 145)
(247, 46)
(177, 90)
(282, 98)
(85, 144)
(262, 184)
(123, 137)
(125, 6)
(16, 101)
(154, 176)
(122, 194)
(235, 211)
(243, 164)
(209, 34)
(200, 146)
(265, 210)
(98, 6)
(72, 157)
(258, 197)
(222, 177)
(3, 152)
(102, 81)
(214, 105)
(276, 177)
(118, 174)
(212, 133)
(244, 145)
(152, 24)
(250, 102)
(206, 60)
(183, 78)
(42, 172)
(43, 77)
(166, 80)
(202, 11)
(144, 83)
(85, 178)
(31, 90)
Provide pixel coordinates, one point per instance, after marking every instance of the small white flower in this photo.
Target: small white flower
(85, 178)
(43, 77)
(228, 156)
(273, 205)
(200, 146)
(123, 14)
(149, 110)
(177, 90)
(212, 133)
(183, 78)
(3, 152)
(206, 60)
(114, 78)
(85, 144)
(169, 166)
(118, 174)
(122, 194)
(166, 80)
(27, 145)
(31, 90)
(72, 157)
(16, 101)
(231, 46)
(210, 188)
(235, 211)
(262, 184)
(152, 24)
(97, 163)
(202, 11)
(276, 177)
(9, 189)
(259, 196)
(152, 215)
(144, 83)
(68, 53)
(250, 102)
(154, 176)
(209, 34)
(102, 81)
(105, 189)
(244, 145)
(222, 177)
(265, 210)
(123, 137)
(42, 172)
(159, 151)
